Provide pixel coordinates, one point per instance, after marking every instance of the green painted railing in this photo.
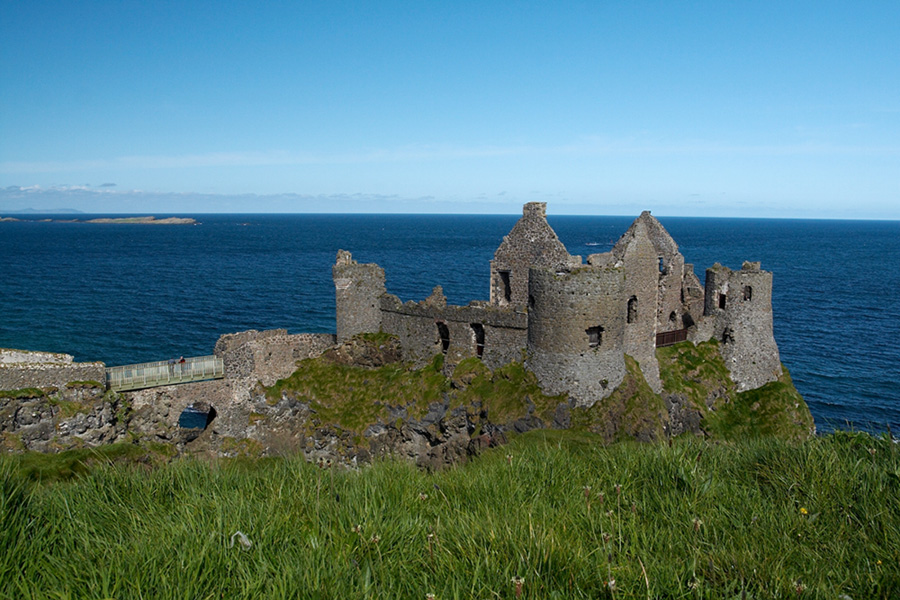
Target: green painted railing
(167, 372)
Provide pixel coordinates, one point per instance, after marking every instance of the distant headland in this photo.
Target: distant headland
(114, 220)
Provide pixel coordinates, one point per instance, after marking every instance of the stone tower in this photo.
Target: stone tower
(740, 302)
(358, 291)
(576, 326)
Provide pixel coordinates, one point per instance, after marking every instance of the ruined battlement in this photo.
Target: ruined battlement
(268, 356)
(575, 321)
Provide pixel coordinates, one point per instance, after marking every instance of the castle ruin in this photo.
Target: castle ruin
(573, 321)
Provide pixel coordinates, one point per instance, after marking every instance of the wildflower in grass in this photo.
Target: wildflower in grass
(697, 524)
(609, 513)
(375, 539)
(519, 582)
(803, 511)
(600, 497)
(618, 490)
(242, 538)
(634, 507)
(509, 459)
(356, 529)
(611, 584)
(423, 497)
(430, 597)
(606, 538)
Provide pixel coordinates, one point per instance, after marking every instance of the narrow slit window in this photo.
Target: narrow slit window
(722, 301)
(748, 293)
(632, 309)
(507, 288)
(444, 334)
(478, 332)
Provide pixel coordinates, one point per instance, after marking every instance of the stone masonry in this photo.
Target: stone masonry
(25, 369)
(573, 323)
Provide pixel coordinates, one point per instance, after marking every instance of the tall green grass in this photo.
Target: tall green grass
(761, 519)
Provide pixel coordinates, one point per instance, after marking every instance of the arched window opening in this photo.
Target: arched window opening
(748, 293)
(672, 317)
(444, 334)
(478, 331)
(632, 309)
(595, 336)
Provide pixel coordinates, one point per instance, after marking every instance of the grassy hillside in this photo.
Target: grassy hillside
(556, 514)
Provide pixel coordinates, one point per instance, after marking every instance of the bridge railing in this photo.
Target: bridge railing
(166, 372)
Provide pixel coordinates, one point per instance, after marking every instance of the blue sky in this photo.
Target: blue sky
(757, 109)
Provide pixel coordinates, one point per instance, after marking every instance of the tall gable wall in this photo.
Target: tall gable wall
(530, 243)
(641, 290)
(669, 269)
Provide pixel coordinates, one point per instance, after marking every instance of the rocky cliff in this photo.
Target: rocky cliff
(357, 401)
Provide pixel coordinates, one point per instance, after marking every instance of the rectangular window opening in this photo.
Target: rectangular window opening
(595, 336)
(507, 288)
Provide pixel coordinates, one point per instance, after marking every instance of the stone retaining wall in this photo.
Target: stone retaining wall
(23, 369)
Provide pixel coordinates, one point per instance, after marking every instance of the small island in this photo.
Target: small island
(150, 220)
(144, 220)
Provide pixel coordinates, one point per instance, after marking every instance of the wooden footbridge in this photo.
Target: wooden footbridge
(170, 372)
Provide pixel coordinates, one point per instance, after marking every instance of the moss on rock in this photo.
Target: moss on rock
(632, 411)
(699, 374)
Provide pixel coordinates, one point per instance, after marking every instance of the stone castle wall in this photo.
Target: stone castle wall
(432, 327)
(270, 355)
(740, 305)
(23, 369)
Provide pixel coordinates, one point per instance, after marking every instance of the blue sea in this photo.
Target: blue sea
(124, 293)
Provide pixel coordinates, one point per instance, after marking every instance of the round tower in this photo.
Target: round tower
(576, 328)
(358, 291)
